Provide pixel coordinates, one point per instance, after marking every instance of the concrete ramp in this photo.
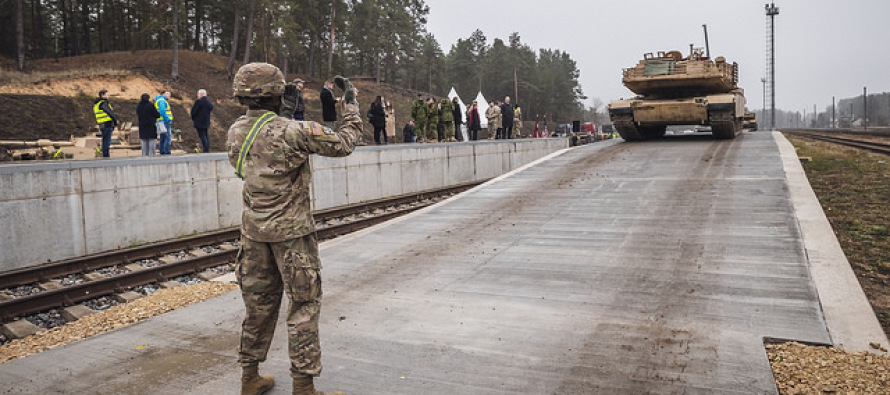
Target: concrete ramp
(655, 267)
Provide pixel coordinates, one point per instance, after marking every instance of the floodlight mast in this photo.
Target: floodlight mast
(771, 12)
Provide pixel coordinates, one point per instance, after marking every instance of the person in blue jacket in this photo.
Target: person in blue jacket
(165, 123)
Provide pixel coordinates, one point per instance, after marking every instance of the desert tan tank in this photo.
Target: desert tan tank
(677, 90)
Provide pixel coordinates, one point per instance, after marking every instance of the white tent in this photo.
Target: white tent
(482, 105)
(463, 110)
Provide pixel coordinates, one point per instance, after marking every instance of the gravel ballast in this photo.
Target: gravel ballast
(157, 303)
(802, 369)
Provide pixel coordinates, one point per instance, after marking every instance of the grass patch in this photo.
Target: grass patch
(853, 187)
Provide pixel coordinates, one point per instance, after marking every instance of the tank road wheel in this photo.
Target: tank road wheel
(653, 132)
(627, 129)
(724, 125)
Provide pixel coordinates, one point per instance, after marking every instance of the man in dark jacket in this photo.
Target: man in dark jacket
(106, 119)
(148, 132)
(458, 116)
(201, 118)
(507, 120)
(301, 107)
(328, 105)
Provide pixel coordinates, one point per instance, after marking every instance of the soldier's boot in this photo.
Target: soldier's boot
(254, 384)
(304, 386)
(349, 90)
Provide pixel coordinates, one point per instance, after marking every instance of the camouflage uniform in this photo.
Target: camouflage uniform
(517, 122)
(446, 115)
(432, 122)
(418, 113)
(278, 246)
(493, 113)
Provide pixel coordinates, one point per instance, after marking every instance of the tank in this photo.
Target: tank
(676, 90)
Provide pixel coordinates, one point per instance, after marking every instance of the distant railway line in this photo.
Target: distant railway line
(71, 281)
(848, 138)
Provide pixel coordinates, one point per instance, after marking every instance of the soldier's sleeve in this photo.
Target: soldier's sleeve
(316, 138)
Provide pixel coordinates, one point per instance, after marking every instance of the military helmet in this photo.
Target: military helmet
(258, 80)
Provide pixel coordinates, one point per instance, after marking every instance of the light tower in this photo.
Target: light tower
(771, 12)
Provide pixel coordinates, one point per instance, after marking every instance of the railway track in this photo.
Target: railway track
(873, 146)
(49, 278)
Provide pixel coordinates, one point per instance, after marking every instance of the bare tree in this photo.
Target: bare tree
(174, 70)
(249, 39)
(20, 34)
(333, 36)
(236, 29)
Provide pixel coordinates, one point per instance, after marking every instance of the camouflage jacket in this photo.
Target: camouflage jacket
(276, 170)
(418, 111)
(493, 114)
(432, 113)
(446, 112)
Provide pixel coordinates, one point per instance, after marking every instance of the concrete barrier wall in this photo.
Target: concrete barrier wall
(54, 211)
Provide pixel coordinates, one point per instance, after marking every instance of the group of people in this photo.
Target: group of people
(441, 121)
(434, 121)
(155, 121)
(503, 119)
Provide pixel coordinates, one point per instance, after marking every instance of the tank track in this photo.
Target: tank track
(724, 125)
(624, 124)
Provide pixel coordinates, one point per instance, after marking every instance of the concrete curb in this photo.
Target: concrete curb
(851, 322)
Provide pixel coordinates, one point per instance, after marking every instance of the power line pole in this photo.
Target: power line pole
(771, 12)
(833, 114)
(865, 107)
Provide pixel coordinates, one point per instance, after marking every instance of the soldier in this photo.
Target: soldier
(270, 152)
(432, 120)
(446, 119)
(517, 121)
(493, 114)
(418, 113)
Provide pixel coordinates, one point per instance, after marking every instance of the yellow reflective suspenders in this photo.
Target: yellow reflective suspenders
(248, 141)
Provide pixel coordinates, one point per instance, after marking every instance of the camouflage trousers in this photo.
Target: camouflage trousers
(449, 130)
(420, 130)
(432, 131)
(263, 270)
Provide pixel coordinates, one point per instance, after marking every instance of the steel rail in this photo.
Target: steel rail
(70, 295)
(882, 148)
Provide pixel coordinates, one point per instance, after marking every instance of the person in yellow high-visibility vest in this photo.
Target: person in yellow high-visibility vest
(106, 119)
(165, 123)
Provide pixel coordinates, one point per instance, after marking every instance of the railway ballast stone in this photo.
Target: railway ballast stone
(76, 312)
(19, 329)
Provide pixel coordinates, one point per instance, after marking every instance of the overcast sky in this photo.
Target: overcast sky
(823, 48)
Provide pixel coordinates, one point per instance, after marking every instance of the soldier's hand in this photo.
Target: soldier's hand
(289, 100)
(349, 91)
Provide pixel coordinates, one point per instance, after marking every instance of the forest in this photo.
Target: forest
(386, 40)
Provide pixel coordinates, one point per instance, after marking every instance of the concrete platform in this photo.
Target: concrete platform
(653, 267)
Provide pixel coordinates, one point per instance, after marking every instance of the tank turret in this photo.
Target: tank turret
(669, 74)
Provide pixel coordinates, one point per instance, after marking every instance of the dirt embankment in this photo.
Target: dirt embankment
(54, 98)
